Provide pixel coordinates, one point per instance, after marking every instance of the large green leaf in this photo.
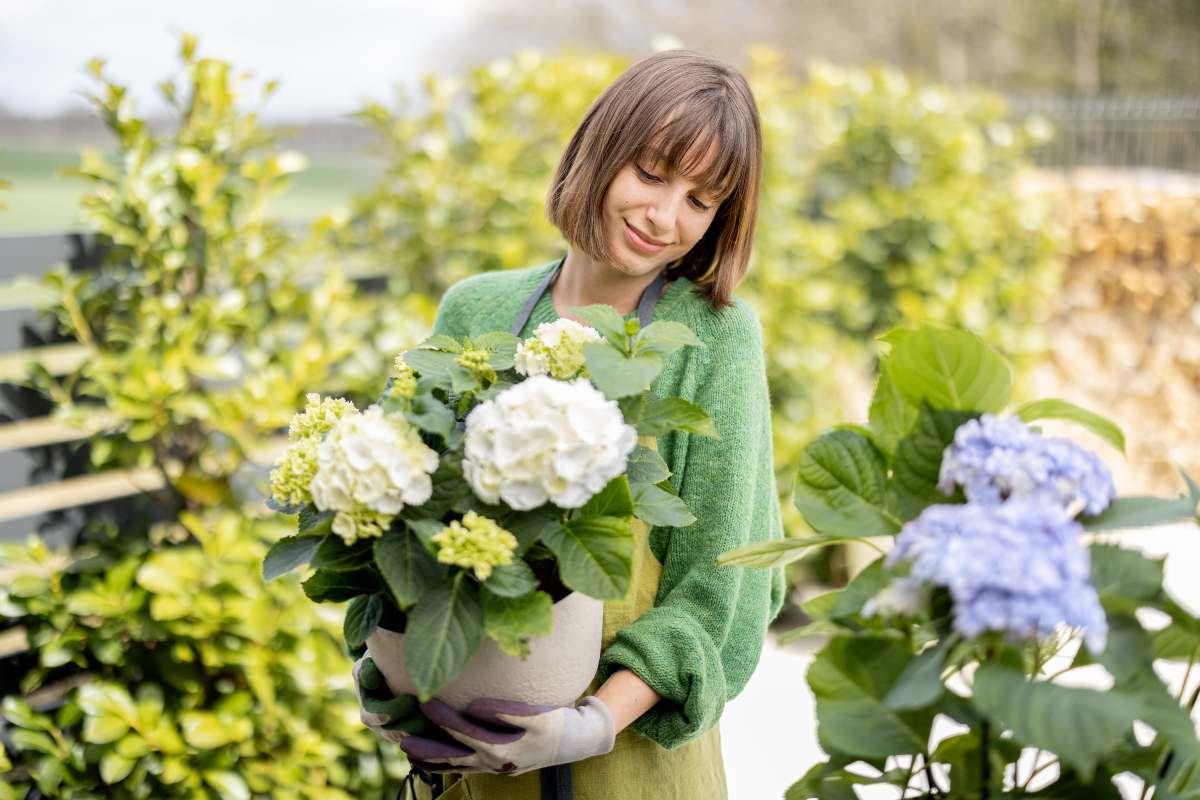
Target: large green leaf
(407, 567)
(605, 319)
(530, 526)
(337, 586)
(861, 588)
(646, 466)
(431, 363)
(362, 616)
(1053, 408)
(595, 555)
(513, 621)
(841, 487)
(1081, 726)
(919, 460)
(614, 500)
(511, 580)
(1125, 579)
(664, 338)
(891, 416)
(313, 522)
(655, 506)
(948, 368)
(849, 679)
(287, 554)
(501, 347)
(655, 416)
(334, 553)
(444, 629)
(616, 375)
(921, 682)
(431, 415)
(1143, 512)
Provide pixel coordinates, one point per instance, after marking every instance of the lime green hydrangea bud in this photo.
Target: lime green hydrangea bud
(360, 522)
(476, 543)
(404, 383)
(479, 362)
(319, 416)
(294, 471)
(632, 327)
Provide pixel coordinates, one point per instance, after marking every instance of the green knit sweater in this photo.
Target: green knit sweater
(700, 643)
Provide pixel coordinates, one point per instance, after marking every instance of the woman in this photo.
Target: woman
(656, 195)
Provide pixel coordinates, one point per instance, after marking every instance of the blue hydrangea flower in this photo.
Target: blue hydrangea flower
(1016, 567)
(995, 458)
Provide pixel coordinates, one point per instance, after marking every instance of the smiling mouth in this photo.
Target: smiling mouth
(645, 238)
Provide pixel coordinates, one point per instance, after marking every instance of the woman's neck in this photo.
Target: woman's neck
(583, 281)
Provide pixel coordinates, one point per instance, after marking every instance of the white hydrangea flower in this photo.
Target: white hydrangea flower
(555, 349)
(545, 440)
(369, 467)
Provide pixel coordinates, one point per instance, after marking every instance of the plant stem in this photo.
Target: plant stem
(985, 762)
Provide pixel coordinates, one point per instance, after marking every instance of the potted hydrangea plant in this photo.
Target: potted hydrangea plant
(478, 514)
(995, 588)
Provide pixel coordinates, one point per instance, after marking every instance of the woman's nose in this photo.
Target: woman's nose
(662, 213)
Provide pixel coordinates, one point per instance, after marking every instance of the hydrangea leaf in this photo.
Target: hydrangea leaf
(849, 679)
(655, 506)
(287, 554)
(1141, 512)
(1079, 725)
(850, 600)
(614, 500)
(444, 630)
(442, 343)
(337, 586)
(664, 338)
(407, 567)
(919, 460)
(891, 416)
(1053, 408)
(529, 527)
(315, 523)
(948, 368)
(1125, 579)
(513, 621)
(431, 364)
(841, 487)
(334, 553)
(921, 681)
(646, 466)
(617, 375)
(656, 416)
(595, 555)
(501, 347)
(431, 415)
(779, 552)
(362, 615)
(511, 580)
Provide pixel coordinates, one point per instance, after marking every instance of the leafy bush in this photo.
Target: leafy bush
(205, 327)
(991, 593)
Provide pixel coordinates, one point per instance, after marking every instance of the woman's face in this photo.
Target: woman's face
(654, 218)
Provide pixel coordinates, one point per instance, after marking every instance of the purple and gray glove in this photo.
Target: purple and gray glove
(510, 738)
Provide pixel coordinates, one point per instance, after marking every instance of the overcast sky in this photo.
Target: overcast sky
(328, 56)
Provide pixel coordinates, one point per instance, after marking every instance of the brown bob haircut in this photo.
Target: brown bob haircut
(671, 107)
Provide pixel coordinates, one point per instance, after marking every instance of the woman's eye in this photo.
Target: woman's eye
(646, 176)
(700, 206)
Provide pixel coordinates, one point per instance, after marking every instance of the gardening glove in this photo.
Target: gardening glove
(510, 738)
(390, 716)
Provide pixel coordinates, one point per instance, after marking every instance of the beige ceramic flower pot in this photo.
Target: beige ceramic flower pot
(557, 671)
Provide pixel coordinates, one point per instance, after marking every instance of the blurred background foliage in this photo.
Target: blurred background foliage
(158, 664)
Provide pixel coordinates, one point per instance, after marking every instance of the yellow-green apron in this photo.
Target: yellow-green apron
(636, 768)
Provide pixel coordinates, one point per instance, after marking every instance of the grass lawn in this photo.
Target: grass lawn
(40, 202)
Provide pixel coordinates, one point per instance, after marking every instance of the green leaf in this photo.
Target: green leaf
(530, 526)
(861, 588)
(646, 466)
(431, 415)
(1053, 408)
(948, 368)
(595, 555)
(1141, 512)
(654, 506)
(656, 416)
(919, 460)
(501, 345)
(777, 553)
(362, 617)
(605, 319)
(229, 785)
(104, 729)
(114, 768)
(431, 363)
(513, 621)
(441, 342)
(408, 568)
(920, 684)
(334, 553)
(287, 554)
(841, 487)
(444, 629)
(511, 580)
(1125, 579)
(314, 522)
(617, 376)
(614, 500)
(664, 338)
(336, 586)
(891, 416)
(849, 679)
(1080, 725)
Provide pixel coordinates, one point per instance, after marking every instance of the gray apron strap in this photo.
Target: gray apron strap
(645, 308)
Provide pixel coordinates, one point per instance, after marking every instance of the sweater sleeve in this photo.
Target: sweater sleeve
(699, 644)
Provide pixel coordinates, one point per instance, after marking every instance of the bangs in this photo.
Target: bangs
(694, 130)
